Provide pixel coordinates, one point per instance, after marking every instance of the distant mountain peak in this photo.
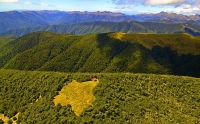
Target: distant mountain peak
(97, 13)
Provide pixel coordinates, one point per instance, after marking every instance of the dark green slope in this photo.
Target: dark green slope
(44, 51)
(112, 52)
(22, 44)
(120, 98)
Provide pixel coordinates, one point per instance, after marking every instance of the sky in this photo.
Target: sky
(130, 7)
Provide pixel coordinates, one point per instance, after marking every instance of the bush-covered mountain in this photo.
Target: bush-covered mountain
(14, 20)
(177, 54)
(119, 98)
(103, 27)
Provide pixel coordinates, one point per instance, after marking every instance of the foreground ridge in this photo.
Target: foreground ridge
(119, 97)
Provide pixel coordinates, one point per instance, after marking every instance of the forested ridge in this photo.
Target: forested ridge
(97, 27)
(176, 54)
(120, 98)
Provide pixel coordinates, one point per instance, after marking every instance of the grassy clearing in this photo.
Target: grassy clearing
(4, 118)
(78, 95)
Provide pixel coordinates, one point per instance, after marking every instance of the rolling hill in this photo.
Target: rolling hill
(105, 27)
(119, 98)
(176, 54)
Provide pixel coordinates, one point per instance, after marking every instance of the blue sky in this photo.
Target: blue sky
(186, 7)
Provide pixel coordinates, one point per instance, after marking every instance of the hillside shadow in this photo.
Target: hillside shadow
(183, 65)
(124, 56)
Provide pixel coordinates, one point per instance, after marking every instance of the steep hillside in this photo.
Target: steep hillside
(25, 43)
(110, 52)
(119, 98)
(105, 27)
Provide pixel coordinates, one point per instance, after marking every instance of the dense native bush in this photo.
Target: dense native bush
(120, 98)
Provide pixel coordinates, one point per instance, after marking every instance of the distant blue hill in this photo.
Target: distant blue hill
(13, 20)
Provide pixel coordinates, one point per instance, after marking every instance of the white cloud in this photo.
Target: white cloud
(149, 2)
(181, 10)
(44, 4)
(124, 7)
(187, 6)
(126, 2)
(164, 2)
(120, 7)
(11, 1)
(130, 7)
(28, 3)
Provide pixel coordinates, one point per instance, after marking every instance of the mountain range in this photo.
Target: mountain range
(13, 20)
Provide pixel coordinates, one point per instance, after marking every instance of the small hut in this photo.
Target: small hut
(94, 79)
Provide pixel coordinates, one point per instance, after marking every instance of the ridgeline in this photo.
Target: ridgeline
(177, 54)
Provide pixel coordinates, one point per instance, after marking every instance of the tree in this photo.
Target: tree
(10, 121)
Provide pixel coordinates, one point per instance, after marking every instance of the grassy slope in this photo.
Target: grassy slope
(182, 43)
(120, 98)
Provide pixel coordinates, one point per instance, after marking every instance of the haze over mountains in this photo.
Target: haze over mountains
(20, 23)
